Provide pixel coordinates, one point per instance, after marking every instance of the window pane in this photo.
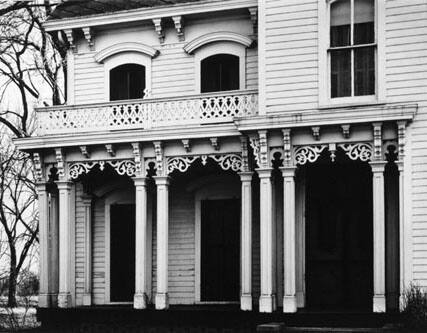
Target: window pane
(127, 82)
(340, 73)
(220, 72)
(340, 23)
(364, 71)
(364, 17)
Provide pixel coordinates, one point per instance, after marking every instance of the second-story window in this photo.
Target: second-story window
(352, 49)
(220, 72)
(127, 82)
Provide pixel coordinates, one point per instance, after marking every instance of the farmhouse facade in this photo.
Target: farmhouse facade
(270, 154)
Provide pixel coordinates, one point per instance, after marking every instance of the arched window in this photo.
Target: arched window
(127, 82)
(220, 72)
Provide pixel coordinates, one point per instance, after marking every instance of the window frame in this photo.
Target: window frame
(325, 99)
(225, 47)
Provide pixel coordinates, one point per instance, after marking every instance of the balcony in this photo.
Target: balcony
(149, 113)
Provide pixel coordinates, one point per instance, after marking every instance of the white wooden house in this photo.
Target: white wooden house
(271, 154)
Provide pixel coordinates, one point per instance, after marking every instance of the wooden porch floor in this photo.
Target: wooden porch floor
(198, 318)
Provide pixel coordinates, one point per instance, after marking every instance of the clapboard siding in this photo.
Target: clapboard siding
(98, 252)
(173, 70)
(406, 73)
(291, 55)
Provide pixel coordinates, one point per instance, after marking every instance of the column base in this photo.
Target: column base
(45, 301)
(246, 302)
(289, 304)
(267, 303)
(140, 301)
(300, 299)
(162, 301)
(64, 300)
(379, 303)
(402, 302)
(87, 299)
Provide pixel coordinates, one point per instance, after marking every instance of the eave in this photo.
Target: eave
(142, 14)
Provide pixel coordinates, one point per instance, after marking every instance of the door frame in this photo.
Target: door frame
(209, 192)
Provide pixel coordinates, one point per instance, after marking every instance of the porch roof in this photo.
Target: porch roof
(78, 8)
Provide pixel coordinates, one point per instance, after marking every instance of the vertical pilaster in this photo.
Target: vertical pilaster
(267, 300)
(246, 242)
(65, 216)
(43, 200)
(87, 204)
(162, 183)
(54, 246)
(289, 294)
(379, 303)
(141, 257)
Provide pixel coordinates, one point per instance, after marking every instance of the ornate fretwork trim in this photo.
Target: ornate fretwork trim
(85, 152)
(254, 142)
(309, 154)
(180, 163)
(226, 162)
(357, 151)
(123, 167)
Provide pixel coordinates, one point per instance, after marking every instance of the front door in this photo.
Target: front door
(220, 234)
(339, 236)
(122, 253)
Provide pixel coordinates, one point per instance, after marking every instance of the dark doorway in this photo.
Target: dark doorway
(122, 253)
(220, 234)
(339, 236)
(220, 72)
(127, 82)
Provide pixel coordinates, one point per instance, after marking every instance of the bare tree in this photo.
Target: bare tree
(32, 70)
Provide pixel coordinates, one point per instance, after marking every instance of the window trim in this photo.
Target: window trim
(225, 47)
(123, 59)
(325, 99)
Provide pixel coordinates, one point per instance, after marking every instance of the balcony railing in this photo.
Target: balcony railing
(147, 113)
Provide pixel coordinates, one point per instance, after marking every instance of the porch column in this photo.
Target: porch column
(54, 246)
(87, 204)
(43, 200)
(64, 296)
(141, 257)
(162, 182)
(289, 292)
(379, 303)
(267, 300)
(246, 241)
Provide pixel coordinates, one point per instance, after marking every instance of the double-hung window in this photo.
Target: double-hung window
(352, 50)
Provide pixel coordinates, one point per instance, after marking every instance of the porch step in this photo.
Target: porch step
(279, 327)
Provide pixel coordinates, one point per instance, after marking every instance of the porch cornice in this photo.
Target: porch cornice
(142, 14)
(127, 136)
(332, 116)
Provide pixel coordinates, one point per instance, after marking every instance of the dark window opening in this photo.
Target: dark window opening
(220, 72)
(127, 82)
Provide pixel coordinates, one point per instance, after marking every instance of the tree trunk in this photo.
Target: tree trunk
(13, 276)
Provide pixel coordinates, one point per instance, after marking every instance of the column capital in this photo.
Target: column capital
(264, 172)
(64, 184)
(246, 176)
(162, 180)
(140, 180)
(377, 166)
(288, 171)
